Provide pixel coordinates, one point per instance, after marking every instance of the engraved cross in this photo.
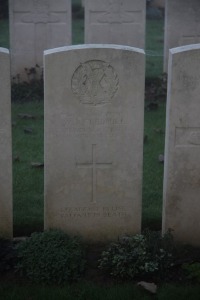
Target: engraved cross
(94, 165)
(40, 16)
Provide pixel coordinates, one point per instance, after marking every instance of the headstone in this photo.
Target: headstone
(36, 25)
(182, 25)
(94, 140)
(181, 207)
(115, 22)
(5, 147)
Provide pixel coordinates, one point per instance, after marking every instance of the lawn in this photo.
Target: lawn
(89, 291)
(4, 33)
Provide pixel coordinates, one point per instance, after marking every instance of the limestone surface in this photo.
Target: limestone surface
(94, 140)
(182, 146)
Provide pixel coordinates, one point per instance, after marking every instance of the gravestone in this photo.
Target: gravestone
(36, 25)
(5, 147)
(94, 140)
(181, 207)
(182, 25)
(115, 22)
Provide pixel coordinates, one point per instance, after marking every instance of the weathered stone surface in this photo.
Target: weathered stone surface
(115, 22)
(94, 140)
(181, 206)
(36, 25)
(5, 147)
(182, 25)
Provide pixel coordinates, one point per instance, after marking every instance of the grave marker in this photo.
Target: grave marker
(36, 25)
(94, 140)
(6, 222)
(115, 22)
(181, 206)
(182, 25)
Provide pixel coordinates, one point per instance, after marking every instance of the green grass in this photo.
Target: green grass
(80, 291)
(27, 181)
(4, 34)
(78, 32)
(154, 129)
(154, 47)
(89, 291)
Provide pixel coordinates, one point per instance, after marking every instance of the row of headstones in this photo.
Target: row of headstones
(36, 25)
(94, 108)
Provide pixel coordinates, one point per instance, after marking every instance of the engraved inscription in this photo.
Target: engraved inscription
(187, 137)
(95, 82)
(94, 164)
(189, 81)
(100, 124)
(116, 13)
(92, 212)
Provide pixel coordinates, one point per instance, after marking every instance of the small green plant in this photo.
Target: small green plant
(51, 257)
(192, 270)
(138, 255)
(30, 90)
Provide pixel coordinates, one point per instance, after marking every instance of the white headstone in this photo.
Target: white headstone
(94, 140)
(182, 25)
(181, 207)
(5, 147)
(115, 22)
(36, 25)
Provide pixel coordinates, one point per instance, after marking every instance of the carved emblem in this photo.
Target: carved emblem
(95, 82)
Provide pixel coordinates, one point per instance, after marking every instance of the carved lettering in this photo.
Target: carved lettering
(107, 124)
(93, 212)
(189, 81)
(188, 137)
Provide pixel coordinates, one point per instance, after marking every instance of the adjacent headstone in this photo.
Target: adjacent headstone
(5, 147)
(181, 207)
(94, 140)
(36, 25)
(115, 22)
(182, 25)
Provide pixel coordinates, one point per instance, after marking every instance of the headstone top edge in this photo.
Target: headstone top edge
(4, 50)
(93, 46)
(184, 48)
